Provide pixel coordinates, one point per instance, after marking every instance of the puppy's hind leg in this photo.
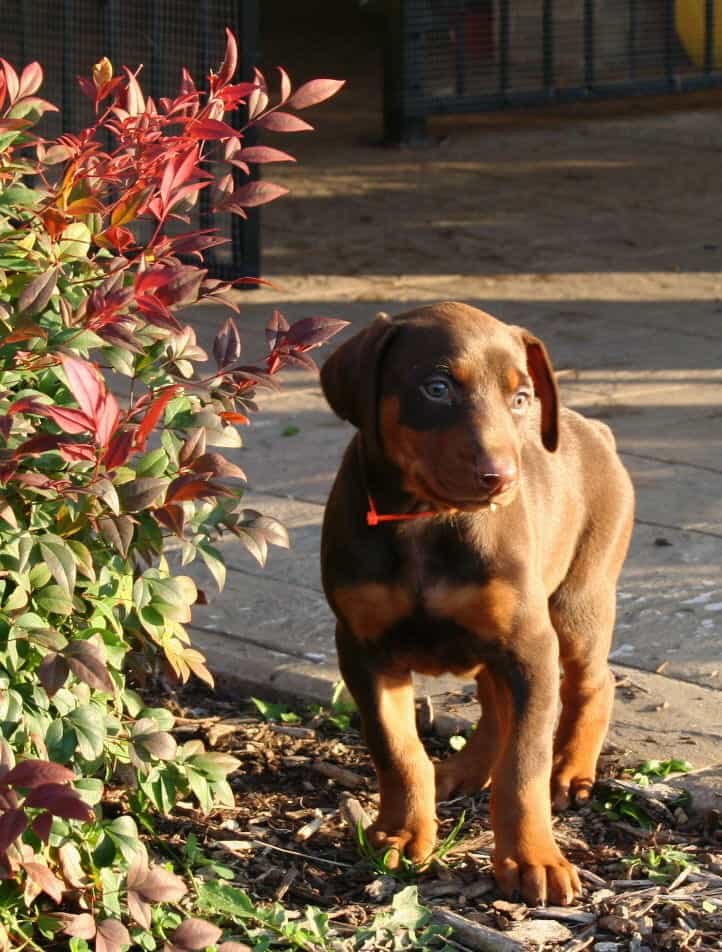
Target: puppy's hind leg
(469, 770)
(584, 623)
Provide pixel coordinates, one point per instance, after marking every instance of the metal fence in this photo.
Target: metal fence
(68, 36)
(455, 56)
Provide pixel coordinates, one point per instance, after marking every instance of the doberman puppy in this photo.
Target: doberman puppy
(474, 527)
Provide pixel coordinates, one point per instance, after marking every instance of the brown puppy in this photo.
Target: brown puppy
(521, 514)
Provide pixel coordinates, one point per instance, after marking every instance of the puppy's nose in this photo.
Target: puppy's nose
(503, 478)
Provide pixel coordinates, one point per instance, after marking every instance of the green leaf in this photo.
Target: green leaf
(200, 788)
(153, 463)
(275, 712)
(216, 766)
(214, 562)
(75, 242)
(124, 834)
(60, 560)
(83, 558)
(90, 789)
(161, 790)
(224, 900)
(54, 600)
(160, 715)
(89, 723)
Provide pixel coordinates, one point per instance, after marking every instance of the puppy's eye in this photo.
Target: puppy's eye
(436, 389)
(520, 400)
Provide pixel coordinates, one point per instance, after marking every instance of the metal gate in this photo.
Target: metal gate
(68, 36)
(455, 56)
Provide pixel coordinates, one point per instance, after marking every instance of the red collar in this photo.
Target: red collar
(373, 518)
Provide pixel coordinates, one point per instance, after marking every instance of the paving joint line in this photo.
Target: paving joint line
(662, 525)
(667, 677)
(671, 462)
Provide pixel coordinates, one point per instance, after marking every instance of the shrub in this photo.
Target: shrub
(111, 448)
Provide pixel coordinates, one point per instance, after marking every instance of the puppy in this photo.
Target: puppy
(474, 527)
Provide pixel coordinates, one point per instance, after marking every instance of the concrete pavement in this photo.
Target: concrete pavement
(640, 348)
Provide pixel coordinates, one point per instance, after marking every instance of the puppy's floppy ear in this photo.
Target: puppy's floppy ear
(349, 378)
(541, 372)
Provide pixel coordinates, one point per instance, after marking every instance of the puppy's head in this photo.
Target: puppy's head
(446, 393)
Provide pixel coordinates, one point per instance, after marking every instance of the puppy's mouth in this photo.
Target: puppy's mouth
(446, 498)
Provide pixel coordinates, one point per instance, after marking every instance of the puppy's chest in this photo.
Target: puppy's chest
(439, 607)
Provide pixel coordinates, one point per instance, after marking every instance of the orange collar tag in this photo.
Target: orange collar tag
(373, 518)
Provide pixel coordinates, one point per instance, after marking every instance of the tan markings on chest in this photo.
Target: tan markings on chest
(489, 609)
(371, 609)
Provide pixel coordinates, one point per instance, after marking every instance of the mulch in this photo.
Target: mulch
(300, 788)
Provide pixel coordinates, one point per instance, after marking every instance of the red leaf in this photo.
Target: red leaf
(87, 664)
(227, 344)
(134, 101)
(196, 934)
(119, 448)
(239, 419)
(171, 517)
(82, 926)
(254, 193)
(230, 61)
(85, 383)
(262, 153)
(285, 84)
(232, 96)
(42, 877)
(160, 885)
(117, 531)
(36, 294)
(217, 465)
(313, 331)
(53, 673)
(73, 452)
(11, 80)
(275, 328)
(31, 80)
(154, 413)
(33, 773)
(12, 824)
(282, 122)
(211, 129)
(189, 487)
(69, 420)
(61, 801)
(111, 936)
(314, 92)
(42, 826)
(107, 418)
(139, 909)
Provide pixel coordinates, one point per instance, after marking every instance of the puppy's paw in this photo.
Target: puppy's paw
(415, 842)
(539, 878)
(570, 789)
(457, 776)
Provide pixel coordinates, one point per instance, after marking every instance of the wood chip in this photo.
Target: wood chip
(291, 730)
(473, 935)
(353, 813)
(539, 931)
(306, 831)
(561, 914)
(285, 884)
(347, 778)
(216, 732)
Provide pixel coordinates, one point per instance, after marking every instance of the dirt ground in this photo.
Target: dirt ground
(300, 787)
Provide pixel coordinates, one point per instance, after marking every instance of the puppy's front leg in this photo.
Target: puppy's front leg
(406, 823)
(526, 857)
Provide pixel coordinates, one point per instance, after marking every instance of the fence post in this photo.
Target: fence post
(246, 233)
(399, 126)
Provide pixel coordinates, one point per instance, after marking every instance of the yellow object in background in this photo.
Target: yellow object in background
(689, 16)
